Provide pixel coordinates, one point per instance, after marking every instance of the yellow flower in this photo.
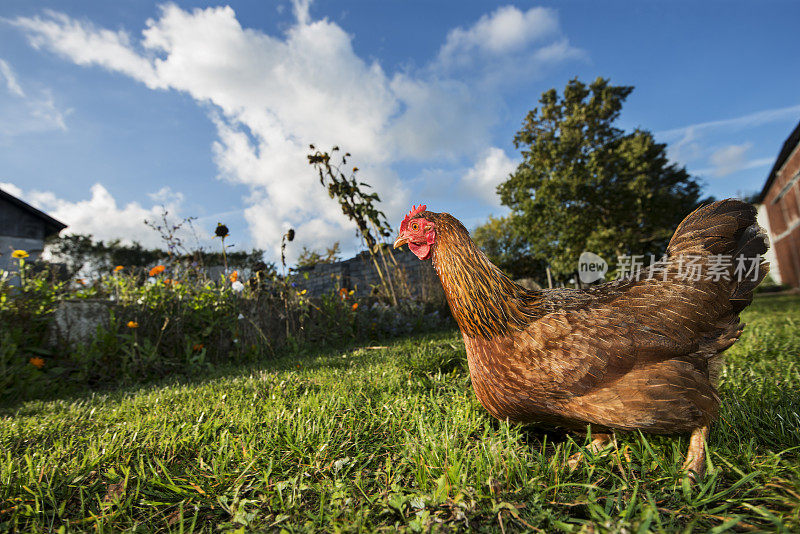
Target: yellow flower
(158, 269)
(303, 292)
(37, 362)
(19, 254)
(133, 324)
(118, 268)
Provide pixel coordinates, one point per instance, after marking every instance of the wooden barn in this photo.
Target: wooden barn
(23, 227)
(780, 199)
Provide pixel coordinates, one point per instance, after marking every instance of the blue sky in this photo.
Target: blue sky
(109, 110)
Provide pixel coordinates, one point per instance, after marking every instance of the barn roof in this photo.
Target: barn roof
(788, 147)
(52, 226)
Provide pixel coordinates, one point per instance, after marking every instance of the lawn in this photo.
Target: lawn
(393, 438)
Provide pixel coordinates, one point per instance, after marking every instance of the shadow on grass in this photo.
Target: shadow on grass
(311, 357)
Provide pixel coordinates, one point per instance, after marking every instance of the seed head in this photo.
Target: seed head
(221, 231)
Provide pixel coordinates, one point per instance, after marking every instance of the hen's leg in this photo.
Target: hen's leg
(598, 444)
(695, 464)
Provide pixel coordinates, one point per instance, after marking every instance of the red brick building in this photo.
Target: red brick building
(781, 199)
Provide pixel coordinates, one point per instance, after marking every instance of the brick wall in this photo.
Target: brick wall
(782, 203)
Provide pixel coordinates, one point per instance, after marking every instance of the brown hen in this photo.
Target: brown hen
(639, 353)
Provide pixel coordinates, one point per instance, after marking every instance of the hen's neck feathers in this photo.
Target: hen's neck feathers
(484, 301)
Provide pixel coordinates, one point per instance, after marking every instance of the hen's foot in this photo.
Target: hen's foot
(599, 442)
(695, 464)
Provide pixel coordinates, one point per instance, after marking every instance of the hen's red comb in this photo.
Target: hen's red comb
(415, 210)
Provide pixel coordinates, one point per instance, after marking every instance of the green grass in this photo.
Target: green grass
(394, 439)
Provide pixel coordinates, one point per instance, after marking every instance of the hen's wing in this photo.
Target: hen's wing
(592, 338)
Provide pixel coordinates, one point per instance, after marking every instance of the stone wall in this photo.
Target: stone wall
(359, 274)
(76, 320)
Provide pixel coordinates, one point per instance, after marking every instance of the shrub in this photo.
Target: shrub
(176, 321)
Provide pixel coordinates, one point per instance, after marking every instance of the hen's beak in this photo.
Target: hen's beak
(400, 241)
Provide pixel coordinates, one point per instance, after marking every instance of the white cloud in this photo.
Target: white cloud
(698, 144)
(11, 189)
(750, 120)
(309, 87)
(760, 162)
(729, 159)
(505, 30)
(687, 148)
(301, 10)
(270, 97)
(442, 119)
(30, 115)
(102, 217)
(23, 113)
(507, 45)
(11, 80)
(82, 43)
(489, 171)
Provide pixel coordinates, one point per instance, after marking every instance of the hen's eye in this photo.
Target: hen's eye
(414, 226)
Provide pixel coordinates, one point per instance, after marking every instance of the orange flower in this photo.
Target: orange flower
(343, 293)
(197, 347)
(233, 276)
(118, 268)
(133, 324)
(37, 362)
(355, 306)
(168, 281)
(158, 269)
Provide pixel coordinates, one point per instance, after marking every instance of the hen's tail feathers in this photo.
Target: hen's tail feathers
(719, 340)
(728, 230)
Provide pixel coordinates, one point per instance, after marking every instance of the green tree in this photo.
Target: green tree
(81, 251)
(309, 257)
(507, 249)
(585, 184)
